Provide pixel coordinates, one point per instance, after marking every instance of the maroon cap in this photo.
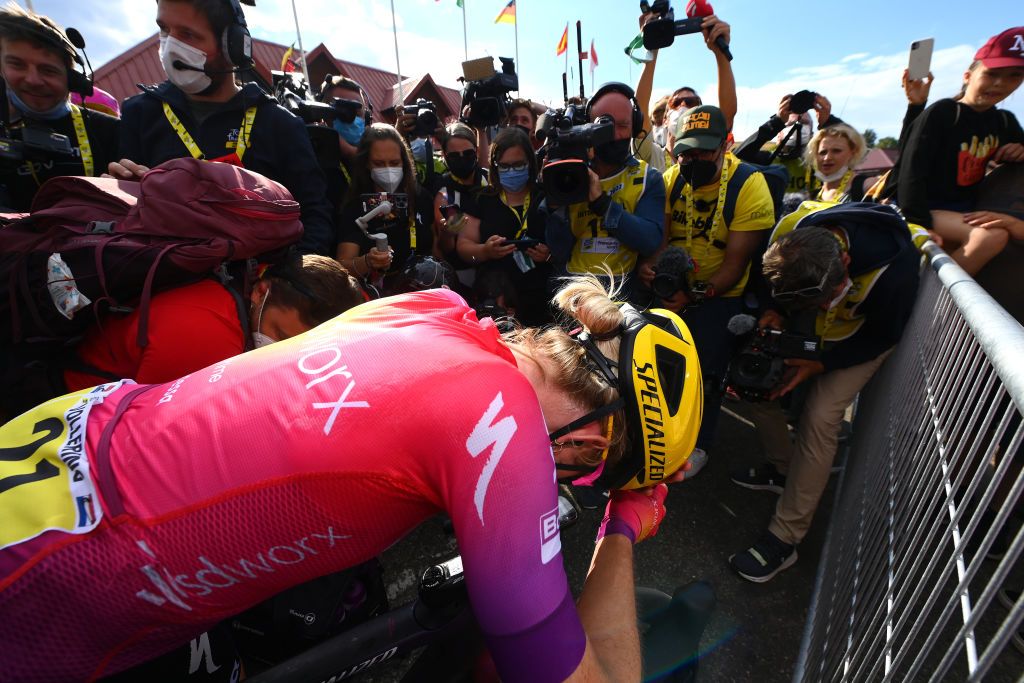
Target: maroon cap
(1005, 49)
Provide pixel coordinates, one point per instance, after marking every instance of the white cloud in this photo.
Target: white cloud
(855, 57)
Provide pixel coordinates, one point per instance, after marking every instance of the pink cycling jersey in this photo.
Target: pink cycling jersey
(269, 469)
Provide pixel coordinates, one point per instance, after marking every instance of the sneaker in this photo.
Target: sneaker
(1008, 598)
(765, 477)
(698, 458)
(766, 558)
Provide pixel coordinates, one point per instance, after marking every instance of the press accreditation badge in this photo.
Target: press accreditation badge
(45, 480)
(599, 245)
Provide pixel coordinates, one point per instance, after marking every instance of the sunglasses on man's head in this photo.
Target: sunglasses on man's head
(804, 294)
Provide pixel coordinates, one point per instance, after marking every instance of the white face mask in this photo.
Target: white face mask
(387, 179)
(259, 340)
(191, 82)
(832, 177)
(845, 290)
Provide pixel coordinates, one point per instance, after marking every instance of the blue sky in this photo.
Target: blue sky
(852, 56)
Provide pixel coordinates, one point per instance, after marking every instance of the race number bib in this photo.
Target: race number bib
(599, 245)
(45, 482)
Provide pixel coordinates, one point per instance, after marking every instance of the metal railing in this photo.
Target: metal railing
(935, 470)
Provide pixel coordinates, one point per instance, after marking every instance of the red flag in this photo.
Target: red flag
(563, 42)
(593, 56)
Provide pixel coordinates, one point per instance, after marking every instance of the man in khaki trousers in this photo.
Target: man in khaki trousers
(856, 265)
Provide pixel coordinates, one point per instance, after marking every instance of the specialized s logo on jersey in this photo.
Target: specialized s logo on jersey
(486, 434)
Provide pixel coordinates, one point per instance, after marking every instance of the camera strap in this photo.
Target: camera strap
(84, 148)
(723, 185)
(241, 145)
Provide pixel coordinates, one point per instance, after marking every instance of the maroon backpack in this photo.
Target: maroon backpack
(122, 241)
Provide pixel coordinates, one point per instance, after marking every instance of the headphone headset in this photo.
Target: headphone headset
(330, 82)
(623, 89)
(235, 41)
(78, 81)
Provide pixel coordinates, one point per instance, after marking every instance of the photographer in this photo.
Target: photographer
(459, 186)
(623, 217)
(350, 130)
(524, 113)
(791, 127)
(37, 62)
(718, 209)
(507, 211)
(201, 111)
(383, 165)
(855, 267)
(658, 154)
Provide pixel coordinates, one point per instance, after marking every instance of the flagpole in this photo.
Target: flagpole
(465, 40)
(398, 64)
(519, 67)
(302, 52)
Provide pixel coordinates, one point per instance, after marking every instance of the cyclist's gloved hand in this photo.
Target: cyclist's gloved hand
(636, 514)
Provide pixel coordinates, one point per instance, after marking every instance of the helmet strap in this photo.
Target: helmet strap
(592, 416)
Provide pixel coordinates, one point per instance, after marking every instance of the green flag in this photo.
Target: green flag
(633, 46)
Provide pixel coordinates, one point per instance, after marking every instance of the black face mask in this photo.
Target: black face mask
(460, 166)
(698, 172)
(613, 153)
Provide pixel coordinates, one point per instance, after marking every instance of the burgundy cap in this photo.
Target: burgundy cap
(1005, 49)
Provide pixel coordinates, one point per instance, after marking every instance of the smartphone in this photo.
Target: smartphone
(802, 101)
(523, 244)
(920, 62)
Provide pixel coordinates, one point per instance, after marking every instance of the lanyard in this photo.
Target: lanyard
(243, 133)
(83, 140)
(412, 232)
(522, 220)
(843, 189)
(723, 183)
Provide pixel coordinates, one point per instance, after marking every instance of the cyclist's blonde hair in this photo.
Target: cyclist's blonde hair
(585, 300)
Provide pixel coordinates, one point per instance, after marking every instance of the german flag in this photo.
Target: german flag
(563, 43)
(508, 14)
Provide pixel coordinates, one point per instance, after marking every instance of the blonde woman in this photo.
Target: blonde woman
(833, 154)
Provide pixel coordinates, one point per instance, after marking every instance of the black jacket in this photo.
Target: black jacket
(750, 149)
(17, 180)
(279, 147)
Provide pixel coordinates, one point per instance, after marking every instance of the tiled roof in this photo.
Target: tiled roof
(141, 64)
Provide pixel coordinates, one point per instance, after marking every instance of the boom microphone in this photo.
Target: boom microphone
(741, 324)
(670, 271)
(702, 8)
(182, 66)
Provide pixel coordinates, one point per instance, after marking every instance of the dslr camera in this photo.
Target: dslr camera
(662, 32)
(293, 93)
(32, 142)
(567, 137)
(488, 97)
(425, 112)
(760, 364)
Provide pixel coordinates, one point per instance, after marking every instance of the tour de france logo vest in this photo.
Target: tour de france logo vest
(594, 247)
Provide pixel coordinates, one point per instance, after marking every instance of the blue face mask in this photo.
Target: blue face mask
(419, 150)
(514, 181)
(59, 111)
(351, 132)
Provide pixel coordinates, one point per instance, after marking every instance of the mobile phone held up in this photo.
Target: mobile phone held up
(920, 62)
(522, 244)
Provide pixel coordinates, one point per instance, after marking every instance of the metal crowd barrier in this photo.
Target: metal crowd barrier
(905, 591)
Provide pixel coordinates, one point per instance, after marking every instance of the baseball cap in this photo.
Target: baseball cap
(702, 127)
(1003, 50)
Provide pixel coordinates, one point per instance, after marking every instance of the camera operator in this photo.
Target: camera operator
(384, 165)
(201, 111)
(524, 113)
(419, 124)
(509, 211)
(623, 217)
(358, 107)
(459, 186)
(37, 62)
(854, 266)
(718, 209)
(791, 127)
(658, 154)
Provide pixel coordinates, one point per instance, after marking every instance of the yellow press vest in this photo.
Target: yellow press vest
(594, 247)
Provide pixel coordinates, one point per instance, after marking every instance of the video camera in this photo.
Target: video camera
(32, 142)
(662, 32)
(293, 93)
(488, 98)
(567, 137)
(425, 112)
(758, 368)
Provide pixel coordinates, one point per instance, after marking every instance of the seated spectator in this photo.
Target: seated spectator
(884, 190)
(623, 217)
(383, 164)
(793, 132)
(458, 188)
(349, 131)
(718, 209)
(833, 153)
(509, 209)
(290, 298)
(854, 266)
(202, 111)
(949, 148)
(38, 65)
(655, 151)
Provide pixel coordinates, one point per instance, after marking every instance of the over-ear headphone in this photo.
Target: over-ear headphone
(235, 41)
(623, 89)
(334, 81)
(67, 43)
